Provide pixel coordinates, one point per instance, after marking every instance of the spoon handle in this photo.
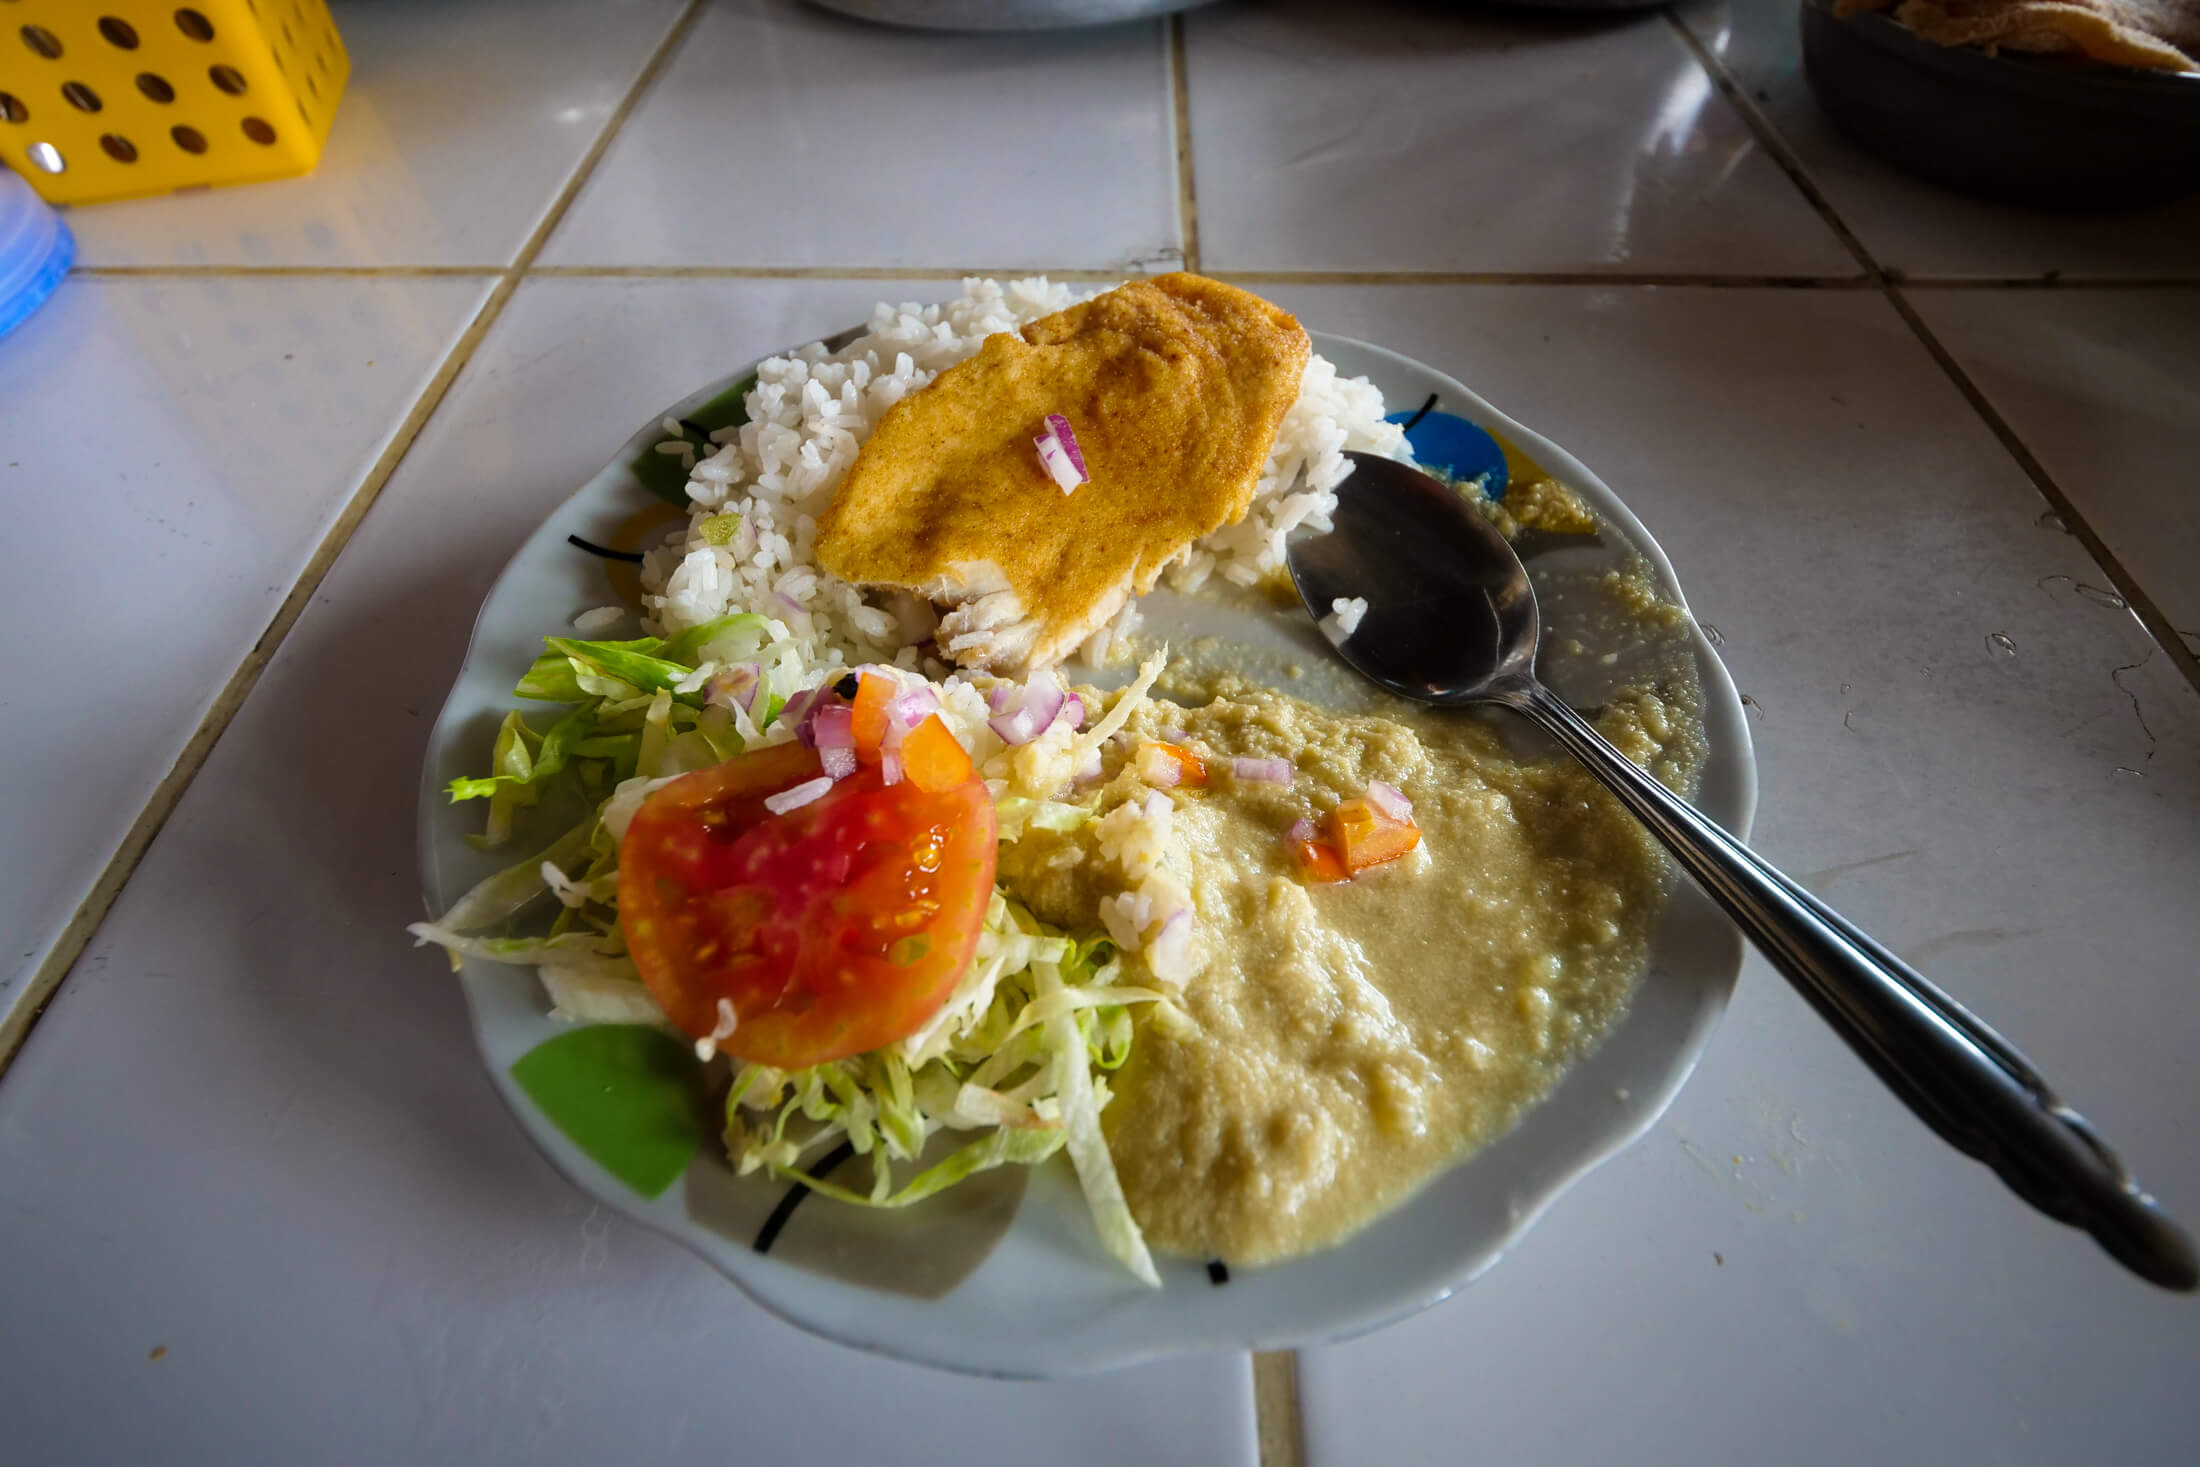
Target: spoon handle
(1956, 1074)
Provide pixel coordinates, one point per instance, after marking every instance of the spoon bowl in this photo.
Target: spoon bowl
(1450, 619)
(1456, 613)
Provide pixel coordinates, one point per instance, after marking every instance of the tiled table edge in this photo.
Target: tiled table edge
(1275, 1373)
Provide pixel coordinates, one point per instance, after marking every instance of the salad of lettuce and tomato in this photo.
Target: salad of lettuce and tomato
(794, 869)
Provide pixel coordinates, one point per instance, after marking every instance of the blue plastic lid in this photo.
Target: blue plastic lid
(35, 251)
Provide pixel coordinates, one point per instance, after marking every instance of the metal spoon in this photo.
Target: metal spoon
(1451, 620)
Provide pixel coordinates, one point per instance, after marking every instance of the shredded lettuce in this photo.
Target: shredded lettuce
(1080, 1098)
(1014, 1064)
(1013, 1054)
(504, 895)
(745, 628)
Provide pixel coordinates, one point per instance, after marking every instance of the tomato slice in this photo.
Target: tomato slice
(832, 929)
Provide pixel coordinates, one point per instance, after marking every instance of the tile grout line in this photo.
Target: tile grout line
(2142, 606)
(1776, 148)
(16, 1027)
(1279, 1433)
(1180, 109)
(1892, 285)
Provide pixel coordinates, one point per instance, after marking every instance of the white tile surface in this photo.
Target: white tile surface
(253, 1129)
(1392, 137)
(460, 126)
(170, 455)
(1857, 537)
(1908, 223)
(2104, 386)
(783, 135)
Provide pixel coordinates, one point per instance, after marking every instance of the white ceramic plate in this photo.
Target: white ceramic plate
(1010, 1279)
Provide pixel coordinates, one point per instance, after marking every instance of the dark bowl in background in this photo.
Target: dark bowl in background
(2041, 131)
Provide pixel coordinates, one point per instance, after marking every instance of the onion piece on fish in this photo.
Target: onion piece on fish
(1067, 436)
(1062, 461)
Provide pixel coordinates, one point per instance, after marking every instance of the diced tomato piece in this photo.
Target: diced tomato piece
(931, 759)
(1364, 836)
(873, 693)
(1318, 862)
(1156, 756)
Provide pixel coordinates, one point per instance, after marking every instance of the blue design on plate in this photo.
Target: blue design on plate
(1447, 444)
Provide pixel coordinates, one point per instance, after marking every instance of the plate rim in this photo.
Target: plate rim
(1733, 745)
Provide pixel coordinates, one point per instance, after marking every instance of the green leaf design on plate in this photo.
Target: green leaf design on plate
(661, 473)
(626, 1094)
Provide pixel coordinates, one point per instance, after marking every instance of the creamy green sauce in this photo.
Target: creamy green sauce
(1349, 1041)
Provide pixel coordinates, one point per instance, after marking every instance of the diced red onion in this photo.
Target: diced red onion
(802, 794)
(1389, 799)
(798, 705)
(1158, 769)
(1302, 829)
(906, 710)
(736, 685)
(998, 697)
(839, 763)
(1030, 711)
(1073, 707)
(791, 606)
(807, 707)
(1175, 736)
(1055, 459)
(889, 767)
(833, 726)
(1262, 771)
(1020, 727)
(1067, 436)
(1168, 950)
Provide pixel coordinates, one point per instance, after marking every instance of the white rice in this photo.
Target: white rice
(810, 414)
(1344, 617)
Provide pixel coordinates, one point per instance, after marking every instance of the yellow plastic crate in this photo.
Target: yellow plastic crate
(105, 99)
